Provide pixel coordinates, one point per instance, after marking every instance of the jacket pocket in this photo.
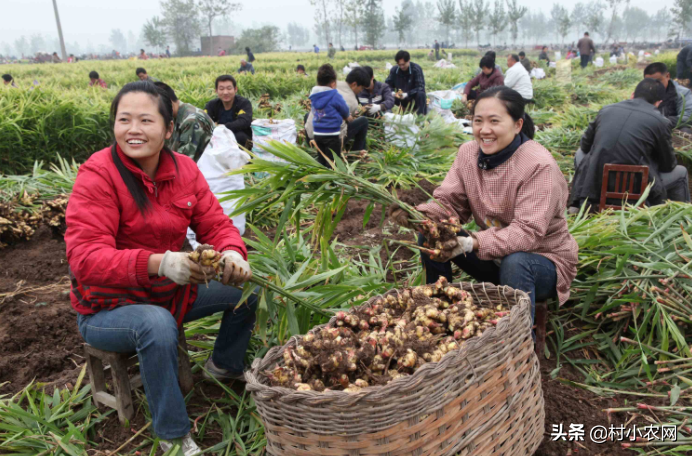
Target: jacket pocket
(186, 203)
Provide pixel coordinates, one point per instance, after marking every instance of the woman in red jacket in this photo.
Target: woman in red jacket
(126, 222)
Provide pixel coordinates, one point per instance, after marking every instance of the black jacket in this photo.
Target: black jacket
(631, 132)
(684, 66)
(241, 112)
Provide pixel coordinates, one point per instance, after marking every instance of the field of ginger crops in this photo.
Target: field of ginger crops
(621, 340)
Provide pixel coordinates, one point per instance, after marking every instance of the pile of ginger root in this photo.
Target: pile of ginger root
(384, 340)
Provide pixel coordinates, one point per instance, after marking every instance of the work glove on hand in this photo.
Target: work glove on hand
(176, 266)
(374, 109)
(464, 245)
(404, 96)
(236, 270)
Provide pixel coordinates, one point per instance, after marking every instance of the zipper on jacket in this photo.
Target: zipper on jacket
(156, 191)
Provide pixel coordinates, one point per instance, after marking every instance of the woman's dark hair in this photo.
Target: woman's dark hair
(133, 184)
(492, 55)
(93, 75)
(359, 76)
(487, 62)
(300, 67)
(247, 49)
(7, 77)
(371, 73)
(513, 102)
(140, 70)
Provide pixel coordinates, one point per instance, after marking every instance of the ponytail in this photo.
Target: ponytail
(529, 129)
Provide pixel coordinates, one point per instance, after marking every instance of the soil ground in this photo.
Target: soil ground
(39, 341)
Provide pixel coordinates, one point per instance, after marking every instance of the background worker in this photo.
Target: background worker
(525, 61)
(143, 76)
(193, 128)
(676, 105)
(631, 132)
(231, 110)
(487, 78)
(246, 67)
(95, 80)
(518, 78)
(377, 97)
(408, 78)
(586, 48)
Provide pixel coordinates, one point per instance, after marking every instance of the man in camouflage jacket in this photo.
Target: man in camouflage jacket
(193, 127)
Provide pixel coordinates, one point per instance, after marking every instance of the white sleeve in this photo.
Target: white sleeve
(511, 78)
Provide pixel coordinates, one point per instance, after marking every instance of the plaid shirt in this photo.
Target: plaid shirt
(519, 206)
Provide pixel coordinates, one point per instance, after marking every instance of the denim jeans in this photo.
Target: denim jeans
(152, 332)
(529, 272)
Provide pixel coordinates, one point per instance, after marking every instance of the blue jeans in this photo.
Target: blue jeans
(152, 332)
(529, 272)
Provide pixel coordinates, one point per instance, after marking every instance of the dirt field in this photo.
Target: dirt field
(39, 341)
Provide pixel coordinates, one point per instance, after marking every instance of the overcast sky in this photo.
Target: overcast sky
(90, 21)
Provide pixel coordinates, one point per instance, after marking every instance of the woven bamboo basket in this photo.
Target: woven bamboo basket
(483, 399)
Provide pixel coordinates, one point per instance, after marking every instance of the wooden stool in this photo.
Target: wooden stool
(121, 400)
(541, 318)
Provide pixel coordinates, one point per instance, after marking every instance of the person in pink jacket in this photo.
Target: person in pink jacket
(490, 76)
(131, 286)
(516, 194)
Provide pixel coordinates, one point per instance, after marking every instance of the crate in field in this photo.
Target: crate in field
(484, 398)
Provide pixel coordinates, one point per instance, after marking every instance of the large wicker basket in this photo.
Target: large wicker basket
(483, 399)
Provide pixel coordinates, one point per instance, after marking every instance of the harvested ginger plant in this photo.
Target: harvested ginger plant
(386, 339)
(437, 234)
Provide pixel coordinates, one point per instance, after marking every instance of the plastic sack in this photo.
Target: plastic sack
(613, 59)
(537, 73)
(459, 88)
(552, 65)
(598, 62)
(401, 131)
(444, 64)
(441, 102)
(221, 156)
(388, 66)
(558, 55)
(265, 130)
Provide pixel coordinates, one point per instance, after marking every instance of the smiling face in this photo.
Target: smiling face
(226, 91)
(493, 127)
(139, 127)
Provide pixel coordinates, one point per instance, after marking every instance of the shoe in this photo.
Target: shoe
(211, 371)
(187, 445)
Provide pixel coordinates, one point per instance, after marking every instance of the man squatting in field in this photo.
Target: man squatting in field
(193, 127)
(231, 110)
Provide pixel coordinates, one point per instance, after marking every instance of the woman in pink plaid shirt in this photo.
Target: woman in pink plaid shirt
(516, 193)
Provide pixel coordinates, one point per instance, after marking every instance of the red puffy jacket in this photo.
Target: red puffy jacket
(109, 241)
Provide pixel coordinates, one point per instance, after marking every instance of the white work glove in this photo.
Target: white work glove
(404, 96)
(236, 270)
(374, 109)
(464, 246)
(176, 266)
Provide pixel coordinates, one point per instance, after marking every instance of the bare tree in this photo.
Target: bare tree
(497, 20)
(659, 22)
(211, 9)
(322, 18)
(354, 17)
(402, 22)
(636, 22)
(615, 5)
(447, 10)
(682, 16)
(480, 15)
(154, 32)
(514, 15)
(465, 20)
(594, 17)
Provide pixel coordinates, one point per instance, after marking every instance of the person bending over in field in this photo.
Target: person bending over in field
(246, 67)
(8, 80)
(193, 127)
(300, 69)
(95, 80)
(676, 105)
(631, 132)
(377, 97)
(488, 77)
(516, 193)
(131, 286)
(143, 76)
(231, 110)
(357, 129)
